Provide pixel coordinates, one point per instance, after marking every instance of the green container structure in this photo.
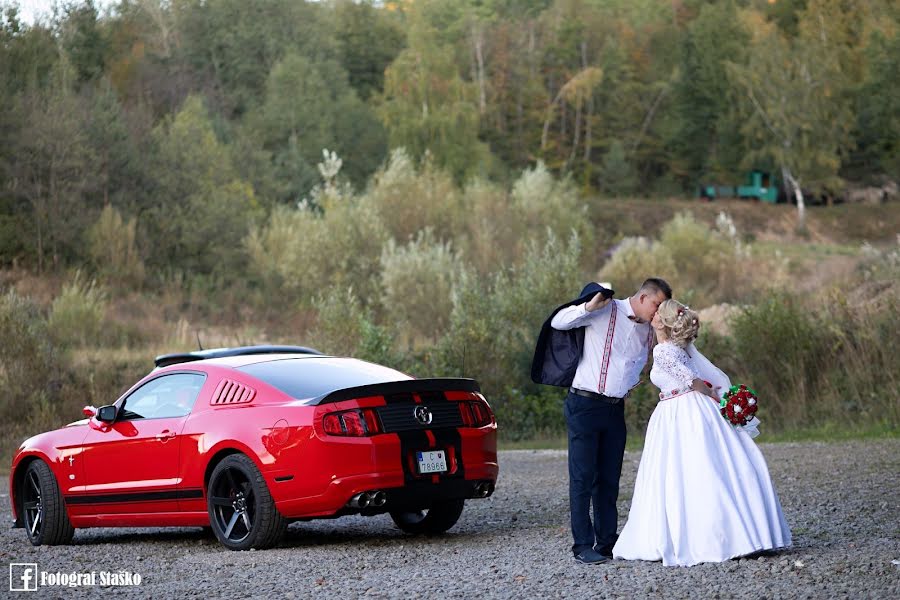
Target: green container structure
(760, 185)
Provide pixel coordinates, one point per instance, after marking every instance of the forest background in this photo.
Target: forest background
(420, 182)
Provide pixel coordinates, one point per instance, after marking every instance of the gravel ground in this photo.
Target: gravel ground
(841, 500)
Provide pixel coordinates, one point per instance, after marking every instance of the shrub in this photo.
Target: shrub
(301, 252)
(634, 260)
(31, 372)
(408, 199)
(29, 362)
(813, 365)
(417, 282)
(78, 314)
(704, 266)
(345, 328)
(112, 247)
(494, 326)
(492, 233)
(522, 416)
(545, 204)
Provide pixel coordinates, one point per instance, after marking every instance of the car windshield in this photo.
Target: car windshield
(304, 378)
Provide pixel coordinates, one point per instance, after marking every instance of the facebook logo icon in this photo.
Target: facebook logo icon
(23, 577)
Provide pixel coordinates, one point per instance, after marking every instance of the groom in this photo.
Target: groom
(597, 347)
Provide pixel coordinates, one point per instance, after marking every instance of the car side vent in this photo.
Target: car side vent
(231, 392)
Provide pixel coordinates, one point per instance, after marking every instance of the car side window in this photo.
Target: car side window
(165, 397)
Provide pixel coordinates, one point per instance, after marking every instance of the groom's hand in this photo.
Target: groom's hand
(596, 303)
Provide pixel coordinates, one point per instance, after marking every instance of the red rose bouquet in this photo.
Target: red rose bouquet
(739, 405)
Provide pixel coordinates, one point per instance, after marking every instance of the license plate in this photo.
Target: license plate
(432, 461)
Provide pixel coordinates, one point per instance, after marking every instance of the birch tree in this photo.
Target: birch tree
(798, 112)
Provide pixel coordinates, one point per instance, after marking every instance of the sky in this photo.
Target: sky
(29, 10)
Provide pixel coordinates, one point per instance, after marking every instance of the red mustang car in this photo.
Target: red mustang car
(246, 440)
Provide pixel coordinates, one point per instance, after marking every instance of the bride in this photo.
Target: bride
(703, 491)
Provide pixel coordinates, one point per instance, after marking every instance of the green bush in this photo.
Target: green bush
(832, 362)
(704, 266)
(29, 362)
(492, 234)
(78, 314)
(301, 252)
(345, 328)
(546, 205)
(417, 282)
(494, 326)
(409, 199)
(113, 251)
(634, 260)
(522, 416)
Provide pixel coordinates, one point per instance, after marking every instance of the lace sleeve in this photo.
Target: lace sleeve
(675, 363)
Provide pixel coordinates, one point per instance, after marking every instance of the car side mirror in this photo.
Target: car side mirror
(89, 411)
(106, 414)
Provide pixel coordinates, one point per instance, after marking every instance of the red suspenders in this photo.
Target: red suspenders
(604, 366)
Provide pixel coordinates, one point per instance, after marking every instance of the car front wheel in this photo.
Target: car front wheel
(242, 512)
(437, 519)
(43, 509)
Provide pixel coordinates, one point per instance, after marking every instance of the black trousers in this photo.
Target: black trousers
(596, 447)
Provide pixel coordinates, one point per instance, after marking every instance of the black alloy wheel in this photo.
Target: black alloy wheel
(242, 512)
(43, 509)
(437, 519)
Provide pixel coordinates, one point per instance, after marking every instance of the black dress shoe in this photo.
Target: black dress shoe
(589, 557)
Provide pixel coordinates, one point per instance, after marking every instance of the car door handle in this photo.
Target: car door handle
(165, 435)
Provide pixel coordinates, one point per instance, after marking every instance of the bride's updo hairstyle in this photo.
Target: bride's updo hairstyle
(681, 323)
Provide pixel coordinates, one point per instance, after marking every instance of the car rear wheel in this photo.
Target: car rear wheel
(241, 510)
(437, 519)
(43, 509)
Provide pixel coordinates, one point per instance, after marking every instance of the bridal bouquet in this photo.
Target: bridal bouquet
(738, 405)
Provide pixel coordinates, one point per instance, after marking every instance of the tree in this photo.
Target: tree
(878, 107)
(369, 39)
(706, 138)
(309, 107)
(796, 102)
(51, 168)
(236, 44)
(83, 41)
(427, 107)
(203, 208)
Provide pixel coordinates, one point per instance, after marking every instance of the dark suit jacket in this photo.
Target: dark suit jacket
(557, 352)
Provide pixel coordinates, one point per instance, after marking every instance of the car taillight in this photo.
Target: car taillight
(475, 413)
(358, 422)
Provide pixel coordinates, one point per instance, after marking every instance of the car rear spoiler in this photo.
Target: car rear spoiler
(165, 360)
(408, 386)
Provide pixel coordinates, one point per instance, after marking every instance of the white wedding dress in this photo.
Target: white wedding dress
(703, 491)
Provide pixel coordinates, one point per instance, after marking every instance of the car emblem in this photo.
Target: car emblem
(423, 415)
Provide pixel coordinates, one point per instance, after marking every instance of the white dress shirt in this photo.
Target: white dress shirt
(630, 346)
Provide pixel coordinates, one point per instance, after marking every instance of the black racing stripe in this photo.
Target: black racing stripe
(135, 497)
(446, 437)
(411, 440)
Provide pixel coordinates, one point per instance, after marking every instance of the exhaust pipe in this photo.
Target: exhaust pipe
(484, 489)
(360, 500)
(367, 499)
